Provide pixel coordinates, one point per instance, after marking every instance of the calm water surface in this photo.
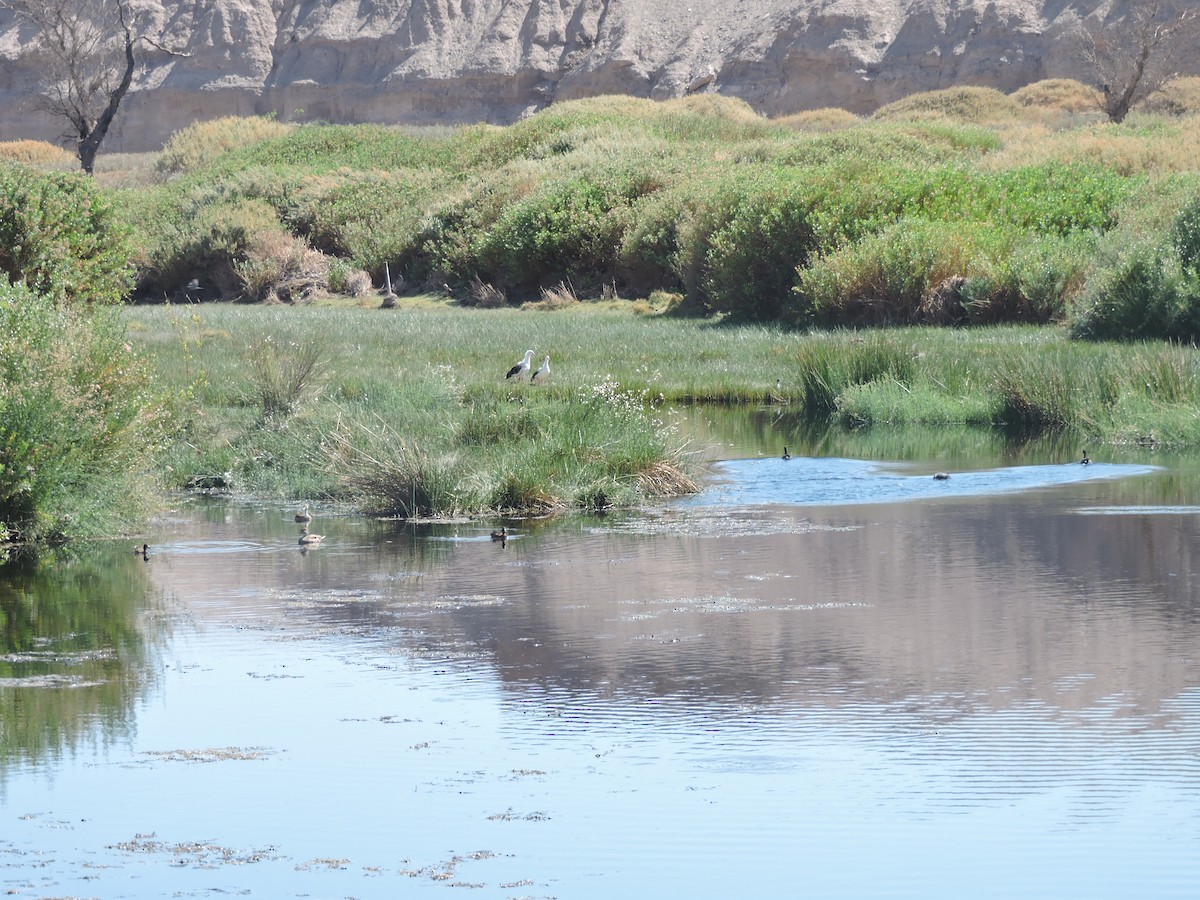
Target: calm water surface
(826, 677)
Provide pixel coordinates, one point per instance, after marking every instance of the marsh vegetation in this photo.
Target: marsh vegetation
(760, 258)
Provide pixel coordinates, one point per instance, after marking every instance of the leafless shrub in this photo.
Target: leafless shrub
(485, 296)
(1133, 55)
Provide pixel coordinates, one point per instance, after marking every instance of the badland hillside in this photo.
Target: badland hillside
(456, 61)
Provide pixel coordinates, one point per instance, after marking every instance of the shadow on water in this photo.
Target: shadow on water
(78, 650)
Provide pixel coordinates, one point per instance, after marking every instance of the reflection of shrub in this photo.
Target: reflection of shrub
(59, 236)
(78, 423)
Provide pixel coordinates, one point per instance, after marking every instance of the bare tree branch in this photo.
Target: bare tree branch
(1134, 55)
(86, 51)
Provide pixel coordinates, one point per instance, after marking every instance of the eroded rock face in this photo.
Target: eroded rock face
(453, 61)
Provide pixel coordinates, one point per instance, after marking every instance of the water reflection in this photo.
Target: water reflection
(987, 600)
(78, 650)
(997, 695)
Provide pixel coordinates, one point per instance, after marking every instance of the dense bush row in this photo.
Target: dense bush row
(60, 237)
(955, 206)
(78, 423)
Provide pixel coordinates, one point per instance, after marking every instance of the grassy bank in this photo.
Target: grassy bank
(407, 412)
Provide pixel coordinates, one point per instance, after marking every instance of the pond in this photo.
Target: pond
(826, 676)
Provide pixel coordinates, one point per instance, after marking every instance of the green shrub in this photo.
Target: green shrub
(900, 275)
(79, 424)
(1146, 285)
(569, 228)
(1185, 237)
(211, 245)
(328, 148)
(751, 259)
(368, 218)
(1139, 292)
(60, 237)
(197, 145)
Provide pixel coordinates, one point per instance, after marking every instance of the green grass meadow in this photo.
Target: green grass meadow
(407, 412)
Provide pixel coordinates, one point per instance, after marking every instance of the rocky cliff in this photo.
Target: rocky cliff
(452, 61)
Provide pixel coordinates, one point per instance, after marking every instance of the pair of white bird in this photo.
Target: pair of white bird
(543, 371)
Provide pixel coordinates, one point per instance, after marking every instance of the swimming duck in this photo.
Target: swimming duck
(501, 535)
(941, 476)
(308, 540)
(786, 455)
(1085, 461)
(304, 515)
(143, 550)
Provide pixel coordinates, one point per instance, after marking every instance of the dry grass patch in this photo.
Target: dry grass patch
(199, 144)
(829, 118)
(39, 154)
(971, 105)
(1141, 146)
(1180, 97)
(1058, 94)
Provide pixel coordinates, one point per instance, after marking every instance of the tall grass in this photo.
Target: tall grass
(414, 416)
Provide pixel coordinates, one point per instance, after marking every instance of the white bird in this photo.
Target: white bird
(543, 371)
(522, 367)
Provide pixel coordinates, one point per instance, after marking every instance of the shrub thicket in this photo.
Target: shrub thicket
(78, 421)
(700, 195)
(60, 237)
(1146, 280)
